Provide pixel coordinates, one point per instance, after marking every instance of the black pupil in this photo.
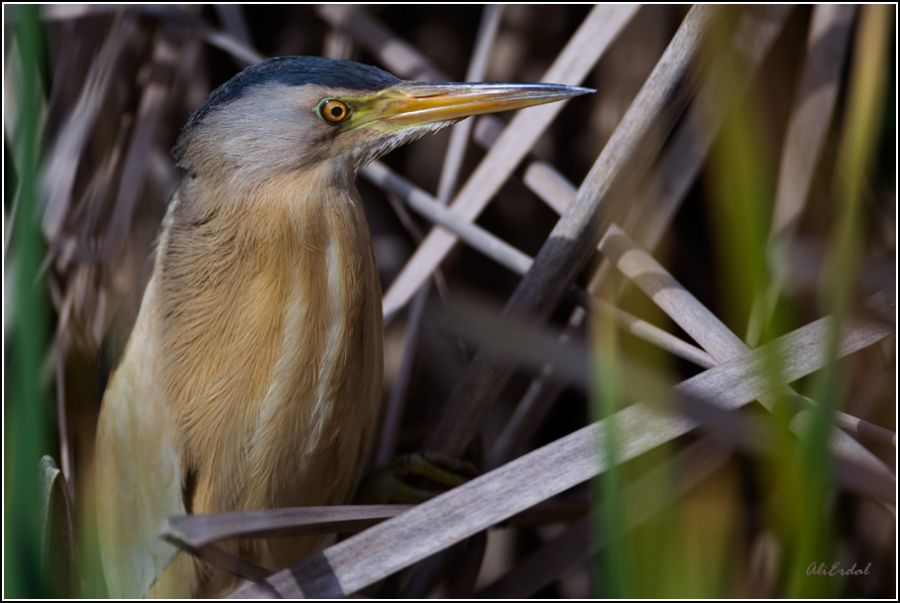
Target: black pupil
(337, 111)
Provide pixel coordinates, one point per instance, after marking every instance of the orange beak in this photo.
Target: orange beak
(418, 103)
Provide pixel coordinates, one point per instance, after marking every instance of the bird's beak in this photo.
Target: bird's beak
(418, 103)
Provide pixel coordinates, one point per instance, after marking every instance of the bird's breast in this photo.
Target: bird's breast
(273, 372)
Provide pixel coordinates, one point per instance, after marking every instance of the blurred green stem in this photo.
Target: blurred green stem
(25, 437)
(616, 556)
(860, 137)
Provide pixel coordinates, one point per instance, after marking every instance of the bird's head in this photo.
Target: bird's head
(301, 113)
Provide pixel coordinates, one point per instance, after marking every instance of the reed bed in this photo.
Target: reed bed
(659, 320)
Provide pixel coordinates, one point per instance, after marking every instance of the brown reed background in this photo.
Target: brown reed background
(763, 181)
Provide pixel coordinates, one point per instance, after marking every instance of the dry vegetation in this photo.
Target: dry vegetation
(628, 311)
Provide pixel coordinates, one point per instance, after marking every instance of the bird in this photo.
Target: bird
(252, 376)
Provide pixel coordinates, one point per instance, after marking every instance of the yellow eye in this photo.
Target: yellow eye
(333, 110)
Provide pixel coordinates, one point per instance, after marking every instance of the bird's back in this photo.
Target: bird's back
(251, 379)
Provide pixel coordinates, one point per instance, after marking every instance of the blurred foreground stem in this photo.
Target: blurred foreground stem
(860, 137)
(25, 437)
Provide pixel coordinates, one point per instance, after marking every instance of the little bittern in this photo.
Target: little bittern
(252, 376)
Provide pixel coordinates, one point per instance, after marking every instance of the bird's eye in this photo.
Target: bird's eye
(333, 111)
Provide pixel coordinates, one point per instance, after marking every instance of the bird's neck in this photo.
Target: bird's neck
(235, 246)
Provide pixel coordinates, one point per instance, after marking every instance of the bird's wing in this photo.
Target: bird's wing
(138, 473)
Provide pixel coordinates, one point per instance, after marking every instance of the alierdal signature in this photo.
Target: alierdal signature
(821, 568)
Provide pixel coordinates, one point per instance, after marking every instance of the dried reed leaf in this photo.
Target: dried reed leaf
(198, 531)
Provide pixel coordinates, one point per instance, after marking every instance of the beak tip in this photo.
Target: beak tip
(579, 90)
